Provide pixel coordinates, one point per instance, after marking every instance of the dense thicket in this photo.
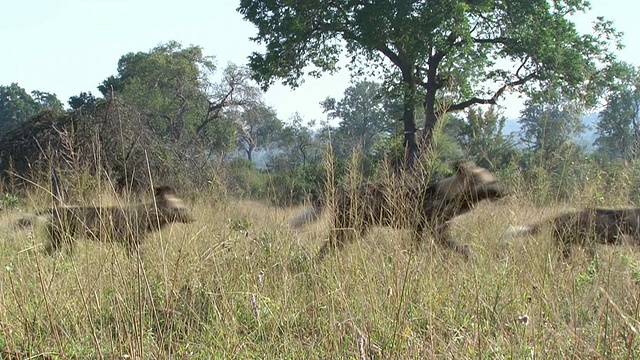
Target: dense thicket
(110, 141)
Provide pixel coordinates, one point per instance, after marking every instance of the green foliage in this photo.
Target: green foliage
(391, 150)
(244, 179)
(364, 118)
(82, 101)
(618, 126)
(259, 127)
(444, 151)
(576, 178)
(620, 180)
(46, 101)
(16, 105)
(480, 136)
(560, 178)
(548, 128)
(166, 84)
(220, 135)
(173, 88)
(297, 143)
(293, 187)
(435, 48)
(280, 188)
(9, 201)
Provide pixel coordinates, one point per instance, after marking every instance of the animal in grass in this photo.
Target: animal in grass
(416, 206)
(587, 227)
(123, 224)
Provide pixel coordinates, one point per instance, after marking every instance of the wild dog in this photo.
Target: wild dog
(126, 225)
(416, 206)
(587, 227)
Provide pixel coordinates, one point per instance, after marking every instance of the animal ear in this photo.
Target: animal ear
(164, 190)
(464, 166)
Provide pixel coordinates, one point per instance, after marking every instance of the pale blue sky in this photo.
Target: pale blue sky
(69, 46)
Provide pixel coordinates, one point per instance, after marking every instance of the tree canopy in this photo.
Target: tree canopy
(467, 52)
(618, 125)
(548, 128)
(163, 103)
(480, 135)
(173, 87)
(16, 105)
(258, 126)
(363, 115)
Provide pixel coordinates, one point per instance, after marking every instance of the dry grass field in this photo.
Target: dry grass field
(239, 283)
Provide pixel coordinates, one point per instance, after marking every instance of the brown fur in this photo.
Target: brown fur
(415, 207)
(126, 225)
(589, 226)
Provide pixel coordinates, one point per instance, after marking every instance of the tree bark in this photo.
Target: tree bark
(431, 87)
(430, 117)
(409, 142)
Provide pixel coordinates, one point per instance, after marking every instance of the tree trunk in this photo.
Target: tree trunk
(432, 86)
(409, 142)
(408, 118)
(304, 154)
(636, 130)
(635, 146)
(430, 117)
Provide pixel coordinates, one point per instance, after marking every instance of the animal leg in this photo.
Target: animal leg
(418, 230)
(589, 245)
(54, 239)
(58, 236)
(339, 237)
(327, 247)
(131, 247)
(564, 240)
(442, 237)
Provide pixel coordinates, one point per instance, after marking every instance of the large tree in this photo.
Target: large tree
(16, 105)
(258, 125)
(480, 135)
(548, 128)
(174, 89)
(82, 101)
(165, 84)
(435, 48)
(296, 143)
(363, 116)
(618, 125)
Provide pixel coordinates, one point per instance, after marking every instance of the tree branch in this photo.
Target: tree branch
(498, 40)
(214, 108)
(395, 58)
(492, 100)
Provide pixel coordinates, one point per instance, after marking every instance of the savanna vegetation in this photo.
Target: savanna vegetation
(239, 282)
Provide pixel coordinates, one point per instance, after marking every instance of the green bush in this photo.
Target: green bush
(245, 180)
(294, 187)
(9, 201)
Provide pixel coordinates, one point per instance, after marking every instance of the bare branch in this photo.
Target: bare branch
(492, 100)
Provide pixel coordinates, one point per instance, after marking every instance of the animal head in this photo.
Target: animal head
(170, 208)
(472, 182)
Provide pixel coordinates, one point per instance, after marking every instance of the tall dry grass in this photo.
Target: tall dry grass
(238, 283)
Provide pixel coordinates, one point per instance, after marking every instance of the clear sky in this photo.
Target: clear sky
(69, 46)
